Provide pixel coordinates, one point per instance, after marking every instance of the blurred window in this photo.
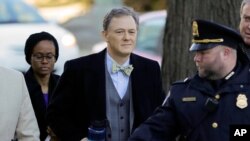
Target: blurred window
(150, 33)
(13, 11)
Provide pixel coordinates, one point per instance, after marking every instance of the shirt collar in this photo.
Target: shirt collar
(110, 61)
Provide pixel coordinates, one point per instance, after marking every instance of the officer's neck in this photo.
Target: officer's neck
(217, 83)
(228, 69)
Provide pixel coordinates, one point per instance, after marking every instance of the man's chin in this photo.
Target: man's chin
(201, 75)
(247, 42)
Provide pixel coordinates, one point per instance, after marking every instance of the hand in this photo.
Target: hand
(52, 135)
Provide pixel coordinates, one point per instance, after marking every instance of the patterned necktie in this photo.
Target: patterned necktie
(126, 70)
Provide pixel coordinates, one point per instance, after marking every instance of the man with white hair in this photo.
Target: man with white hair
(245, 25)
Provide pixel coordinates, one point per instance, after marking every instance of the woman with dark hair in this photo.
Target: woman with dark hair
(41, 52)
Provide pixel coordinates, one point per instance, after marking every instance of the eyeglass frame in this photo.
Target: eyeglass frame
(39, 57)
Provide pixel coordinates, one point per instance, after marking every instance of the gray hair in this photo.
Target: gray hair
(117, 12)
(243, 3)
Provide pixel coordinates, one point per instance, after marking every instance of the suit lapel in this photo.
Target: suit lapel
(137, 74)
(98, 96)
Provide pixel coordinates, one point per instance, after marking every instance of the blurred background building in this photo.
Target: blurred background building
(77, 25)
(84, 17)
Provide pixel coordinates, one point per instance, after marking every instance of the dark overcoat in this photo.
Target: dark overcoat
(37, 99)
(81, 94)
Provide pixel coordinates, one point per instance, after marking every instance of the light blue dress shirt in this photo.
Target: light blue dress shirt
(120, 80)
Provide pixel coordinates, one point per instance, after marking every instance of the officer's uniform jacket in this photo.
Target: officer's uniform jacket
(198, 112)
(199, 109)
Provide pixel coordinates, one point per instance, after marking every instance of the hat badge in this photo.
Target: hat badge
(195, 29)
(241, 101)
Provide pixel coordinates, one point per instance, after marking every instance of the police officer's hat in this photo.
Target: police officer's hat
(207, 35)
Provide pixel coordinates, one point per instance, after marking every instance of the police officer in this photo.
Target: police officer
(202, 107)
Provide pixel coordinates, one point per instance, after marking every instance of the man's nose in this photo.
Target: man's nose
(197, 57)
(126, 36)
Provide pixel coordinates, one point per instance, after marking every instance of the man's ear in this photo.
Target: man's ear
(104, 35)
(227, 51)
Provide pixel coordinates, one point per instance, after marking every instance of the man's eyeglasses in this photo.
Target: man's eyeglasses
(39, 57)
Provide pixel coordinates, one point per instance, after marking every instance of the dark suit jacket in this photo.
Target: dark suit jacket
(37, 99)
(80, 95)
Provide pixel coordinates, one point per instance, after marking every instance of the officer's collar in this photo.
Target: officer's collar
(235, 69)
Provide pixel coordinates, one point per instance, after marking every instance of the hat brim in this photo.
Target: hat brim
(199, 47)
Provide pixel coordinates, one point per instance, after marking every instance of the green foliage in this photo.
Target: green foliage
(146, 5)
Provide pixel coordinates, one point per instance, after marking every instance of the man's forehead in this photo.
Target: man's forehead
(122, 22)
(246, 8)
(122, 19)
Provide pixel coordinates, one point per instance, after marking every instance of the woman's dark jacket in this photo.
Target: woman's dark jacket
(37, 99)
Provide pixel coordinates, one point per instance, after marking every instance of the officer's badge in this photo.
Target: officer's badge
(195, 29)
(241, 101)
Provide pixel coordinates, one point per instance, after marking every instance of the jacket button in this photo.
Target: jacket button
(214, 124)
(121, 104)
(217, 96)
